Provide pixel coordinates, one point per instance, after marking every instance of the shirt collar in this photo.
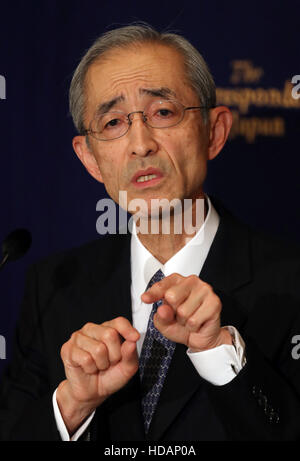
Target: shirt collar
(187, 261)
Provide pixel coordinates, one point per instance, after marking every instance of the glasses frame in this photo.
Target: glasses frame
(184, 109)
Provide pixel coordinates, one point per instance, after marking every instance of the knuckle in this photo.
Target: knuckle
(86, 360)
(194, 283)
(73, 337)
(99, 350)
(204, 285)
(120, 321)
(192, 323)
(87, 327)
(210, 290)
(110, 334)
(64, 351)
(177, 278)
(170, 295)
(215, 300)
(181, 312)
(205, 290)
(218, 303)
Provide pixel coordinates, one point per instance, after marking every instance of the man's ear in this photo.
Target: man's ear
(86, 156)
(220, 125)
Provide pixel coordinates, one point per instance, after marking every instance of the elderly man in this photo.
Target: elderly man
(156, 336)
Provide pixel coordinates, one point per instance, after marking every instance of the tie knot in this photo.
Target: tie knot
(156, 278)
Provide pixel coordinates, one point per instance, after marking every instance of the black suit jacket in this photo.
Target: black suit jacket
(258, 282)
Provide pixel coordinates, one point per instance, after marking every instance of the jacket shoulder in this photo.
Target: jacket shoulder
(68, 267)
(264, 245)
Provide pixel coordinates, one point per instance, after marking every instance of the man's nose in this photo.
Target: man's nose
(142, 142)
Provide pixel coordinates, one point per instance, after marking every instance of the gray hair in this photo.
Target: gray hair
(197, 70)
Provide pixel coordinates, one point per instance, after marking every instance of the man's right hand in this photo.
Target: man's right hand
(99, 360)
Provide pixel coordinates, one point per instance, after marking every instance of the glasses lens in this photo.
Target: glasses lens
(110, 125)
(164, 113)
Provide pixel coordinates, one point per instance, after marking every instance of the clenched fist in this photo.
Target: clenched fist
(99, 360)
(190, 313)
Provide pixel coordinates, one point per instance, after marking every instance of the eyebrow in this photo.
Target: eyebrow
(162, 92)
(107, 105)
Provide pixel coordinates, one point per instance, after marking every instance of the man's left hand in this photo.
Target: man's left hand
(190, 313)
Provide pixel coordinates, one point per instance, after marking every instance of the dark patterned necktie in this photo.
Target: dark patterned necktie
(154, 361)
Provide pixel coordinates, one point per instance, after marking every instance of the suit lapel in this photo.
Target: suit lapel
(227, 266)
(226, 269)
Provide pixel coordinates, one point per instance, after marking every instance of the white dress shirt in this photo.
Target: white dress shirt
(219, 365)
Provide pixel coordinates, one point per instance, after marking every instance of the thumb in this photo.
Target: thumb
(164, 316)
(129, 355)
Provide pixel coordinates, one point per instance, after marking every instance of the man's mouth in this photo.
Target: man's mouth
(148, 177)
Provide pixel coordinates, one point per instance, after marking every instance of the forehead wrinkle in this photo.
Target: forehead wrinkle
(116, 82)
(122, 83)
(162, 92)
(142, 74)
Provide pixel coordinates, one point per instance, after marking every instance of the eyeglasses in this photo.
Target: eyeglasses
(158, 114)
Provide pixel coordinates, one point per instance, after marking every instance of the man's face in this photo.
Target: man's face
(178, 155)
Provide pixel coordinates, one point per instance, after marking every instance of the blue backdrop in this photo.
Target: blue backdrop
(252, 49)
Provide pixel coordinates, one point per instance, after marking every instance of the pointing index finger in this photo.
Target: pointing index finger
(158, 289)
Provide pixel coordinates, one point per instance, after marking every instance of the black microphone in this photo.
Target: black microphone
(15, 245)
